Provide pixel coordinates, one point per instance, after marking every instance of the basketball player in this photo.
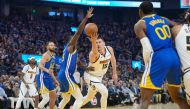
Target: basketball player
(160, 58)
(47, 78)
(68, 85)
(181, 33)
(99, 57)
(27, 85)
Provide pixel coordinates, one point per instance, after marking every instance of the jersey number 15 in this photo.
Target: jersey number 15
(188, 42)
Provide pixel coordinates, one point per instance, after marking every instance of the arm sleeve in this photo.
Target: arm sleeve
(147, 49)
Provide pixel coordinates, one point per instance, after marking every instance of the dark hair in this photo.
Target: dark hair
(100, 37)
(186, 18)
(49, 42)
(146, 7)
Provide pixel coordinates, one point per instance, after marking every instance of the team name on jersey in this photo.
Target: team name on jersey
(154, 22)
(104, 61)
(31, 72)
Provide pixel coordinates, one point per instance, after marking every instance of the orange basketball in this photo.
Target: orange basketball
(91, 28)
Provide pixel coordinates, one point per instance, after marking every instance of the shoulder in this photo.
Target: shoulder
(110, 48)
(139, 24)
(26, 66)
(177, 26)
(45, 55)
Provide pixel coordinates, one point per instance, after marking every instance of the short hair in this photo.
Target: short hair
(49, 42)
(146, 7)
(100, 37)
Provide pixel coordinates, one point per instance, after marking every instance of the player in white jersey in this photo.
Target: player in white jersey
(99, 57)
(27, 85)
(182, 42)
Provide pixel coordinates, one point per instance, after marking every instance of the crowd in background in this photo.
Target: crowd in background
(20, 34)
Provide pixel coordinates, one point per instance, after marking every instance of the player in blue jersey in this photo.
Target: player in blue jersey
(68, 85)
(47, 79)
(160, 58)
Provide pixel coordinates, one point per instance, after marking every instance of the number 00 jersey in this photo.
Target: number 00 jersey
(158, 32)
(101, 65)
(182, 42)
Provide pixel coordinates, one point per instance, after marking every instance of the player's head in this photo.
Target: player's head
(145, 8)
(51, 46)
(32, 61)
(187, 17)
(100, 42)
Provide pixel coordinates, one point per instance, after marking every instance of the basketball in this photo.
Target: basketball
(91, 28)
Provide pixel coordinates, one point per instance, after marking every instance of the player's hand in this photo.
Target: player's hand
(27, 86)
(89, 12)
(56, 83)
(115, 78)
(50, 71)
(93, 37)
(90, 68)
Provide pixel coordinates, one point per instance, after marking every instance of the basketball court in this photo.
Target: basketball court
(156, 106)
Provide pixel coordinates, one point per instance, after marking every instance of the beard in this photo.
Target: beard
(52, 50)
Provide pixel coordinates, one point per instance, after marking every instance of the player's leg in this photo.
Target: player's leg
(90, 94)
(174, 83)
(45, 100)
(34, 93)
(104, 94)
(52, 95)
(78, 98)
(174, 93)
(146, 95)
(22, 93)
(50, 87)
(66, 98)
(152, 78)
(186, 79)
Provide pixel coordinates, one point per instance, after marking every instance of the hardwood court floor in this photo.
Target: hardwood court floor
(156, 106)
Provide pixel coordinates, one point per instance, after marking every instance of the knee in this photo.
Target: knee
(104, 94)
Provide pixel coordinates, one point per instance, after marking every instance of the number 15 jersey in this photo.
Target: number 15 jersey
(101, 65)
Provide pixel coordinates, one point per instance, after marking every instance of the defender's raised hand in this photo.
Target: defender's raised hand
(89, 12)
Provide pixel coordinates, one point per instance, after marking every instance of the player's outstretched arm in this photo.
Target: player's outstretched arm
(73, 41)
(140, 29)
(94, 54)
(113, 63)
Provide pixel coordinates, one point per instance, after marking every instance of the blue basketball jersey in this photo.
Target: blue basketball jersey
(68, 65)
(158, 31)
(163, 62)
(50, 65)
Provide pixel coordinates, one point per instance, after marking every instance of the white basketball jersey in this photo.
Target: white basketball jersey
(29, 73)
(101, 65)
(182, 42)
